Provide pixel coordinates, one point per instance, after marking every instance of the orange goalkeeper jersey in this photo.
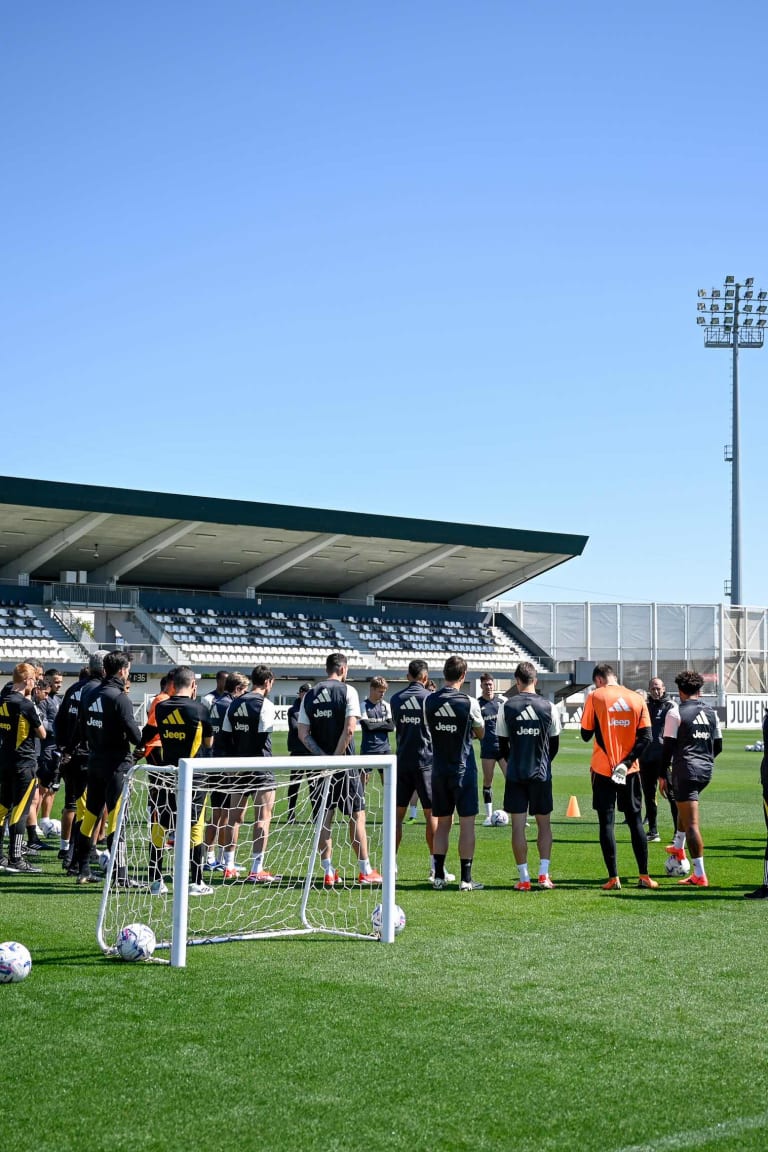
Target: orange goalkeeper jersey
(614, 714)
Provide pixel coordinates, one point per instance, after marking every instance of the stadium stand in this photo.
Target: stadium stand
(28, 631)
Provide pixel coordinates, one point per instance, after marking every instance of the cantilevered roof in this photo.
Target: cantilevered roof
(169, 540)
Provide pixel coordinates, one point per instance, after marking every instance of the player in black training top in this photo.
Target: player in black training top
(761, 893)
(295, 748)
(217, 704)
(248, 727)
(106, 718)
(327, 722)
(20, 726)
(184, 726)
(453, 718)
(489, 745)
(529, 737)
(659, 703)
(692, 740)
(414, 755)
(70, 737)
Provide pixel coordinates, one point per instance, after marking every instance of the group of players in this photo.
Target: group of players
(97, 738)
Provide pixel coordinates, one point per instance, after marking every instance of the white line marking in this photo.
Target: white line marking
(720, 1131)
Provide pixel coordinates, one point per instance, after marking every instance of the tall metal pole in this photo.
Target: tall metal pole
(735, 477)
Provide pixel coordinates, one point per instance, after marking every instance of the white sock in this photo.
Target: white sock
(543, 867)
(413, 811)
(698, 866)
(488, 809)
(679, 840)
(229, 858)
(211, 857)
(524, 873)
(258, 862)
(64, 844)
(365, 866)
(328, 867)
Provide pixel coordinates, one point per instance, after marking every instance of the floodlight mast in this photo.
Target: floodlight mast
(734, 330)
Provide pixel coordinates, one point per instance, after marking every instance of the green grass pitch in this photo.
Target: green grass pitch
(571, 1019)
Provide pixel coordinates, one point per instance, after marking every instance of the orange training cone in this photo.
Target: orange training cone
(573, 808)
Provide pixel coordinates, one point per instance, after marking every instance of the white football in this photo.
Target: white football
(50, 827)
(377, 915)
(15, 962)
(675, 867)
(499, 818)
(136, 942)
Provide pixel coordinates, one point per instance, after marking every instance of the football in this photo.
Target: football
(136, 942)
(15, 962)
(675, 867)
(50, 827)
(376, 919)
(499, 818)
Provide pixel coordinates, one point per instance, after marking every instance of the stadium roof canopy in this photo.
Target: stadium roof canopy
(163, 539)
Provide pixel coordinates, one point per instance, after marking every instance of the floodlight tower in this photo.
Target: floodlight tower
(734, 317)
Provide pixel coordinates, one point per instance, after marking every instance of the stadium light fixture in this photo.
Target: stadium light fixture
(736, 329)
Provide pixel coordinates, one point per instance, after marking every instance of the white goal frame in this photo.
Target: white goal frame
(185, 786)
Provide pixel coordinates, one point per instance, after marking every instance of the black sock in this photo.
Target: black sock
(439, 866)
(487, 795)
(198, 859)
(466, 871)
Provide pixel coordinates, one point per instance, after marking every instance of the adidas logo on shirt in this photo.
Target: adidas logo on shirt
(412, 704)
(526, 716)
(323, 697)
(93, 721)
(701, 727)
(174, 717)
(620, 706)
(446, 711)
(241, 711)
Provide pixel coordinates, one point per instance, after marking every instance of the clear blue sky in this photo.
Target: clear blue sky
(432, 258)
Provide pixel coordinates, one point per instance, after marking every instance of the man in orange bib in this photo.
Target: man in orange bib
(618, 720)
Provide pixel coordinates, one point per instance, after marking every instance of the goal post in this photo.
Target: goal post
(162, 816)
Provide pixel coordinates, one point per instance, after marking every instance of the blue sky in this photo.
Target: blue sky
(430, 259)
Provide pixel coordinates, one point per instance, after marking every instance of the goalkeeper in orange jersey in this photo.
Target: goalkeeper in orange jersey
(618, 721)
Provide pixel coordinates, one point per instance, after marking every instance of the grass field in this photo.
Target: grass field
(571, 1019)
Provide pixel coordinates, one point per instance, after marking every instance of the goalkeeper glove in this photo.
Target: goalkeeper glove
(619, 774)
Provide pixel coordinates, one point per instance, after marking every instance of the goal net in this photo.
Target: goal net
(214, 852)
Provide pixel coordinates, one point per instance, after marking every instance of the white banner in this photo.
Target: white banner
(745, 711)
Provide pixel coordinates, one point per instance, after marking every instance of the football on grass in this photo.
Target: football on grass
(675, 867)
(136, 942)
(377, 919)
(15, 962)
(499, 818)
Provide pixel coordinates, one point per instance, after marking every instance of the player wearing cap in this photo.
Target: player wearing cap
(692, 740)
(618, 720)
